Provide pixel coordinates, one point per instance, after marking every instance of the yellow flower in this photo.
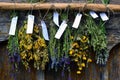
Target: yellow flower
(78, 72)
(83, 64)
(84, 58)
(80, 68)
(71, 52)
(89, 60)
(84, 39)
(79, 55)
(36, 57)
(75, 44)
(76, 60)
(36, 29)
(81, 48)
(23, 55)
(29, 47)
(71, 37)
(36, 45)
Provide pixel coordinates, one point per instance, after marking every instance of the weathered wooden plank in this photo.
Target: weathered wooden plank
(4, 66)
(4, 25)
(6, 71)
(114, 63)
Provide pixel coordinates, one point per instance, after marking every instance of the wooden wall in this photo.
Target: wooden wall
(94, 72)
(6, 71)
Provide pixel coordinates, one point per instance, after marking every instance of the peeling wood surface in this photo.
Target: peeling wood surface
(113, 30)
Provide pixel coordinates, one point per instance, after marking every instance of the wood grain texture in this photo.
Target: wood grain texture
(6, 71)
(79, 6)
(114, 63)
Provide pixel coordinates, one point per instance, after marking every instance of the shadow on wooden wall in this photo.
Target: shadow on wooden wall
(5, 68)
(114, 63)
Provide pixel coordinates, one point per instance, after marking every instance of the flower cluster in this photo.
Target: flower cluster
(33, 48)
(79, 53)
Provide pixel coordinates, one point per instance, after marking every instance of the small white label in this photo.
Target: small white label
(30, 24)
(77, 21)
(56, 18)
(61, 30)
(104, 17)
(13, 25)
(93, 14)
(44, 30)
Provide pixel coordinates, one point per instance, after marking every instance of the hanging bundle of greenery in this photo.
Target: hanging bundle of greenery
(54, 45)
(98, 39)
(80, 49)
(33, 48)
(13, 48)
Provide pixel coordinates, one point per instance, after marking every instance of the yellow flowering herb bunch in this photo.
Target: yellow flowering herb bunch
(33, 49)
(79, 52)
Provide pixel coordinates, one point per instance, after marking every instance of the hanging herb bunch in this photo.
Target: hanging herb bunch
(13, 48)
(59, 48)
(54, 45)
(33, 49)
(98, 40)
(80, 49)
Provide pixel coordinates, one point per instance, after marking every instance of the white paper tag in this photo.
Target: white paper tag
(77, 21)
(61, 30)
(93, 14)
(56, 18)
(63, 22)
(13, 25)
(30, 24)
(44, 30)
(104, 17)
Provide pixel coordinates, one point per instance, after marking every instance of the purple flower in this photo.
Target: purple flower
(17, 57)
(62, 74)
(69, 77)
(12, 59)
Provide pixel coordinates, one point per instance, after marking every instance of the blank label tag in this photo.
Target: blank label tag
(77, 21)
(61, 30)
(13, 25)
(104, 17)
(93, 14)
(56, 18)
(44, 30)
(30, 24)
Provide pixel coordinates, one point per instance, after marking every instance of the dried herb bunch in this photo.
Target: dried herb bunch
(33, 48)
(13, 48)
(80, 49)
(98, 39)
(54, 46)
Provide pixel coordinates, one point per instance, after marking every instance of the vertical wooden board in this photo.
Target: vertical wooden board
(4, 66)
(114, 64)
(92, 72)
(6, 72)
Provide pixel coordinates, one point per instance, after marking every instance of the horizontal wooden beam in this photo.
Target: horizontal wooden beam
(79, 6)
